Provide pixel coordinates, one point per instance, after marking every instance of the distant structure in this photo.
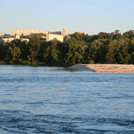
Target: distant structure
(64, 32)
(1, 34)
(56, 35)
(54, 32)
(26, 32)
(25, 39)
(80, 33)
(11, 38)
(50, 37)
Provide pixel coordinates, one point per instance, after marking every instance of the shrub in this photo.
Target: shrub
(91, 62)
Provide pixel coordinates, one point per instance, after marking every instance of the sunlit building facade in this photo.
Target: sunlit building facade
(26, 32)
(50, 37)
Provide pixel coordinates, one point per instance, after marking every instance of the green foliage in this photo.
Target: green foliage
(34, 48)
(91, 62)
(110, 55)
(15, 52)
(76, 49)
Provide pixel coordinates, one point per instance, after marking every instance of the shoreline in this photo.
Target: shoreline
(95, 68)
(104, 68)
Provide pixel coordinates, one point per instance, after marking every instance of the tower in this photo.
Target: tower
(64, 32)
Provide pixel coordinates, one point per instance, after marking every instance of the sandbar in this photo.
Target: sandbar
(105, 68)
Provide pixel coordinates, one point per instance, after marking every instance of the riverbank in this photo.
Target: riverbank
(36, 63)
(105, 68)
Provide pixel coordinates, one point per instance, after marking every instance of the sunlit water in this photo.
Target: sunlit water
(53, 100)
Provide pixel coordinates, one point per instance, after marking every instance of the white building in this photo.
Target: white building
(25, 39)
(26, 32)
(1, 34)
(57, 35)
(50, 37)
(11, 38)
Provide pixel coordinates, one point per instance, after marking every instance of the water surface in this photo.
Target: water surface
(54, 100)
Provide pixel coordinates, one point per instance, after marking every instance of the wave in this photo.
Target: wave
(12, 121)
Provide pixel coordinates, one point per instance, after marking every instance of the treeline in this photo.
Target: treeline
(77, 48)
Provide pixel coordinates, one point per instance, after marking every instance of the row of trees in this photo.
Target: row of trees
(78, 49)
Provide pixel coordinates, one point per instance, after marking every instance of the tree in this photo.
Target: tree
(110, 56)
(123, 55)
(34, 48)
(15, 52)
(76, 52)
(132, 58)
(2, 52)
(52, 52)
(117, 31)
(55, 52)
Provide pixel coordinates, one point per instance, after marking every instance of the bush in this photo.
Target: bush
(91, 62)
(2, 62)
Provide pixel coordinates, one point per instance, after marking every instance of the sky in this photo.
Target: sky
(90, 16)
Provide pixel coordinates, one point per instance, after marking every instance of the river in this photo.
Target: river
(55, 100)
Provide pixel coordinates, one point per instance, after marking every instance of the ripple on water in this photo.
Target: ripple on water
(23, 122)
(39, 100)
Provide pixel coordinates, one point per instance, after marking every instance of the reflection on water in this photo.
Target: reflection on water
(54, 100)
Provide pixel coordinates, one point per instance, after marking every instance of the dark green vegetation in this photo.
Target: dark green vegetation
(77, 48)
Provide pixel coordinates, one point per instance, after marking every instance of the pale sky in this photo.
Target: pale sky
(90, 16)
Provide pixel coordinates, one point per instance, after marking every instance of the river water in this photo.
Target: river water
(54, 100)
